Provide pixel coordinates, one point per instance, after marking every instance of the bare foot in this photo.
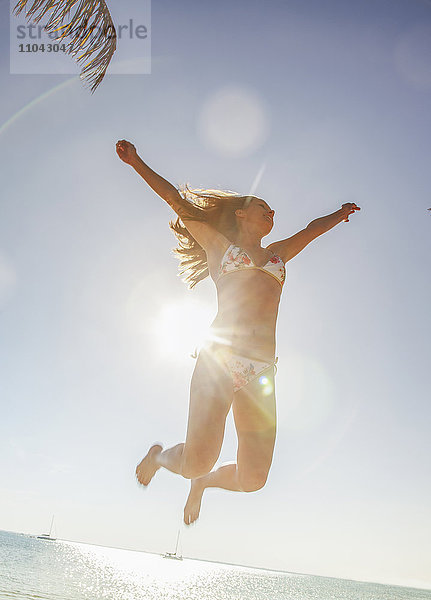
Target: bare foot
(193, 504)
(148, 466)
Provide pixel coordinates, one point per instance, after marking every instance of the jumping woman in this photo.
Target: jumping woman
(220, 235)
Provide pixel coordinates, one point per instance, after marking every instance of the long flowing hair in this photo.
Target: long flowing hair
(215, 207)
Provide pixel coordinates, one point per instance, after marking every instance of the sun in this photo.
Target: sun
(181, 327)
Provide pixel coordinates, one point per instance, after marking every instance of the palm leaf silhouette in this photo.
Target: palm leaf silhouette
(99, 36)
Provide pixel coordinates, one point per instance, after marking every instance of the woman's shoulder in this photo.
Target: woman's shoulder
(207, 236)
(218, 249)
(215, 255)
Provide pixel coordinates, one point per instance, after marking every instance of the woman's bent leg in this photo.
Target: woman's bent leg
(171, 459)
(211, 396)
(225, 477)
(255, 422)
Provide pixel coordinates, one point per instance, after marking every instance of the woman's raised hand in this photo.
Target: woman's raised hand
(348, 209)
(126, 151)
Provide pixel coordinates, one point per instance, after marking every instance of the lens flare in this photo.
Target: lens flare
(412, 56)
(233, 121)
(181, 327)
(267, 386)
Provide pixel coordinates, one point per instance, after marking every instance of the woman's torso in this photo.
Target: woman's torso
(248, 300)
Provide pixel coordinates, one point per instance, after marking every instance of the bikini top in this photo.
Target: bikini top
(236, 259)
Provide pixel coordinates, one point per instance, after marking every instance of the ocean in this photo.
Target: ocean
(36, 569)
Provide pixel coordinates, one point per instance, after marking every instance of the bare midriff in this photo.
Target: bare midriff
(247, 313)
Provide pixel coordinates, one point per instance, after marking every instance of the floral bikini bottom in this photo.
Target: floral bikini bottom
(242, 369)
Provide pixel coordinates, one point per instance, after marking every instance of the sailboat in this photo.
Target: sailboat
(174, 555)
(48, 536)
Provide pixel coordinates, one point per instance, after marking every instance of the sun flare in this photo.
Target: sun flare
(181, 327)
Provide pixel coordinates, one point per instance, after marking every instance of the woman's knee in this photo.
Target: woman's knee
(196, 465)
(252, 482)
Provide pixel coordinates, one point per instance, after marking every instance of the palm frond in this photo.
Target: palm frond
(103, 43)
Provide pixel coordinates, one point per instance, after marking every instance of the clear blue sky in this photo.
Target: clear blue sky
(311, 104)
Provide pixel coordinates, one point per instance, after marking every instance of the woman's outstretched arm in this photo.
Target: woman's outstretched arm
(204, 234)
(292, 246)
(127, 152)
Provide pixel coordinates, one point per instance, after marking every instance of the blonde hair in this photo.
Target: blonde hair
(215, 207)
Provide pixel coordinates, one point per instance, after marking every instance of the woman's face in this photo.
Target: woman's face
(259, 214)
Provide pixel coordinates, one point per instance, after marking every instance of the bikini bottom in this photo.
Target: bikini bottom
(241, 368)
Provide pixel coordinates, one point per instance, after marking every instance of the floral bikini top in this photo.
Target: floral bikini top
(235, 259)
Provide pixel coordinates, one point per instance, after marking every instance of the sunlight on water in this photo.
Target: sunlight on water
(31, 568)
(133, 567)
